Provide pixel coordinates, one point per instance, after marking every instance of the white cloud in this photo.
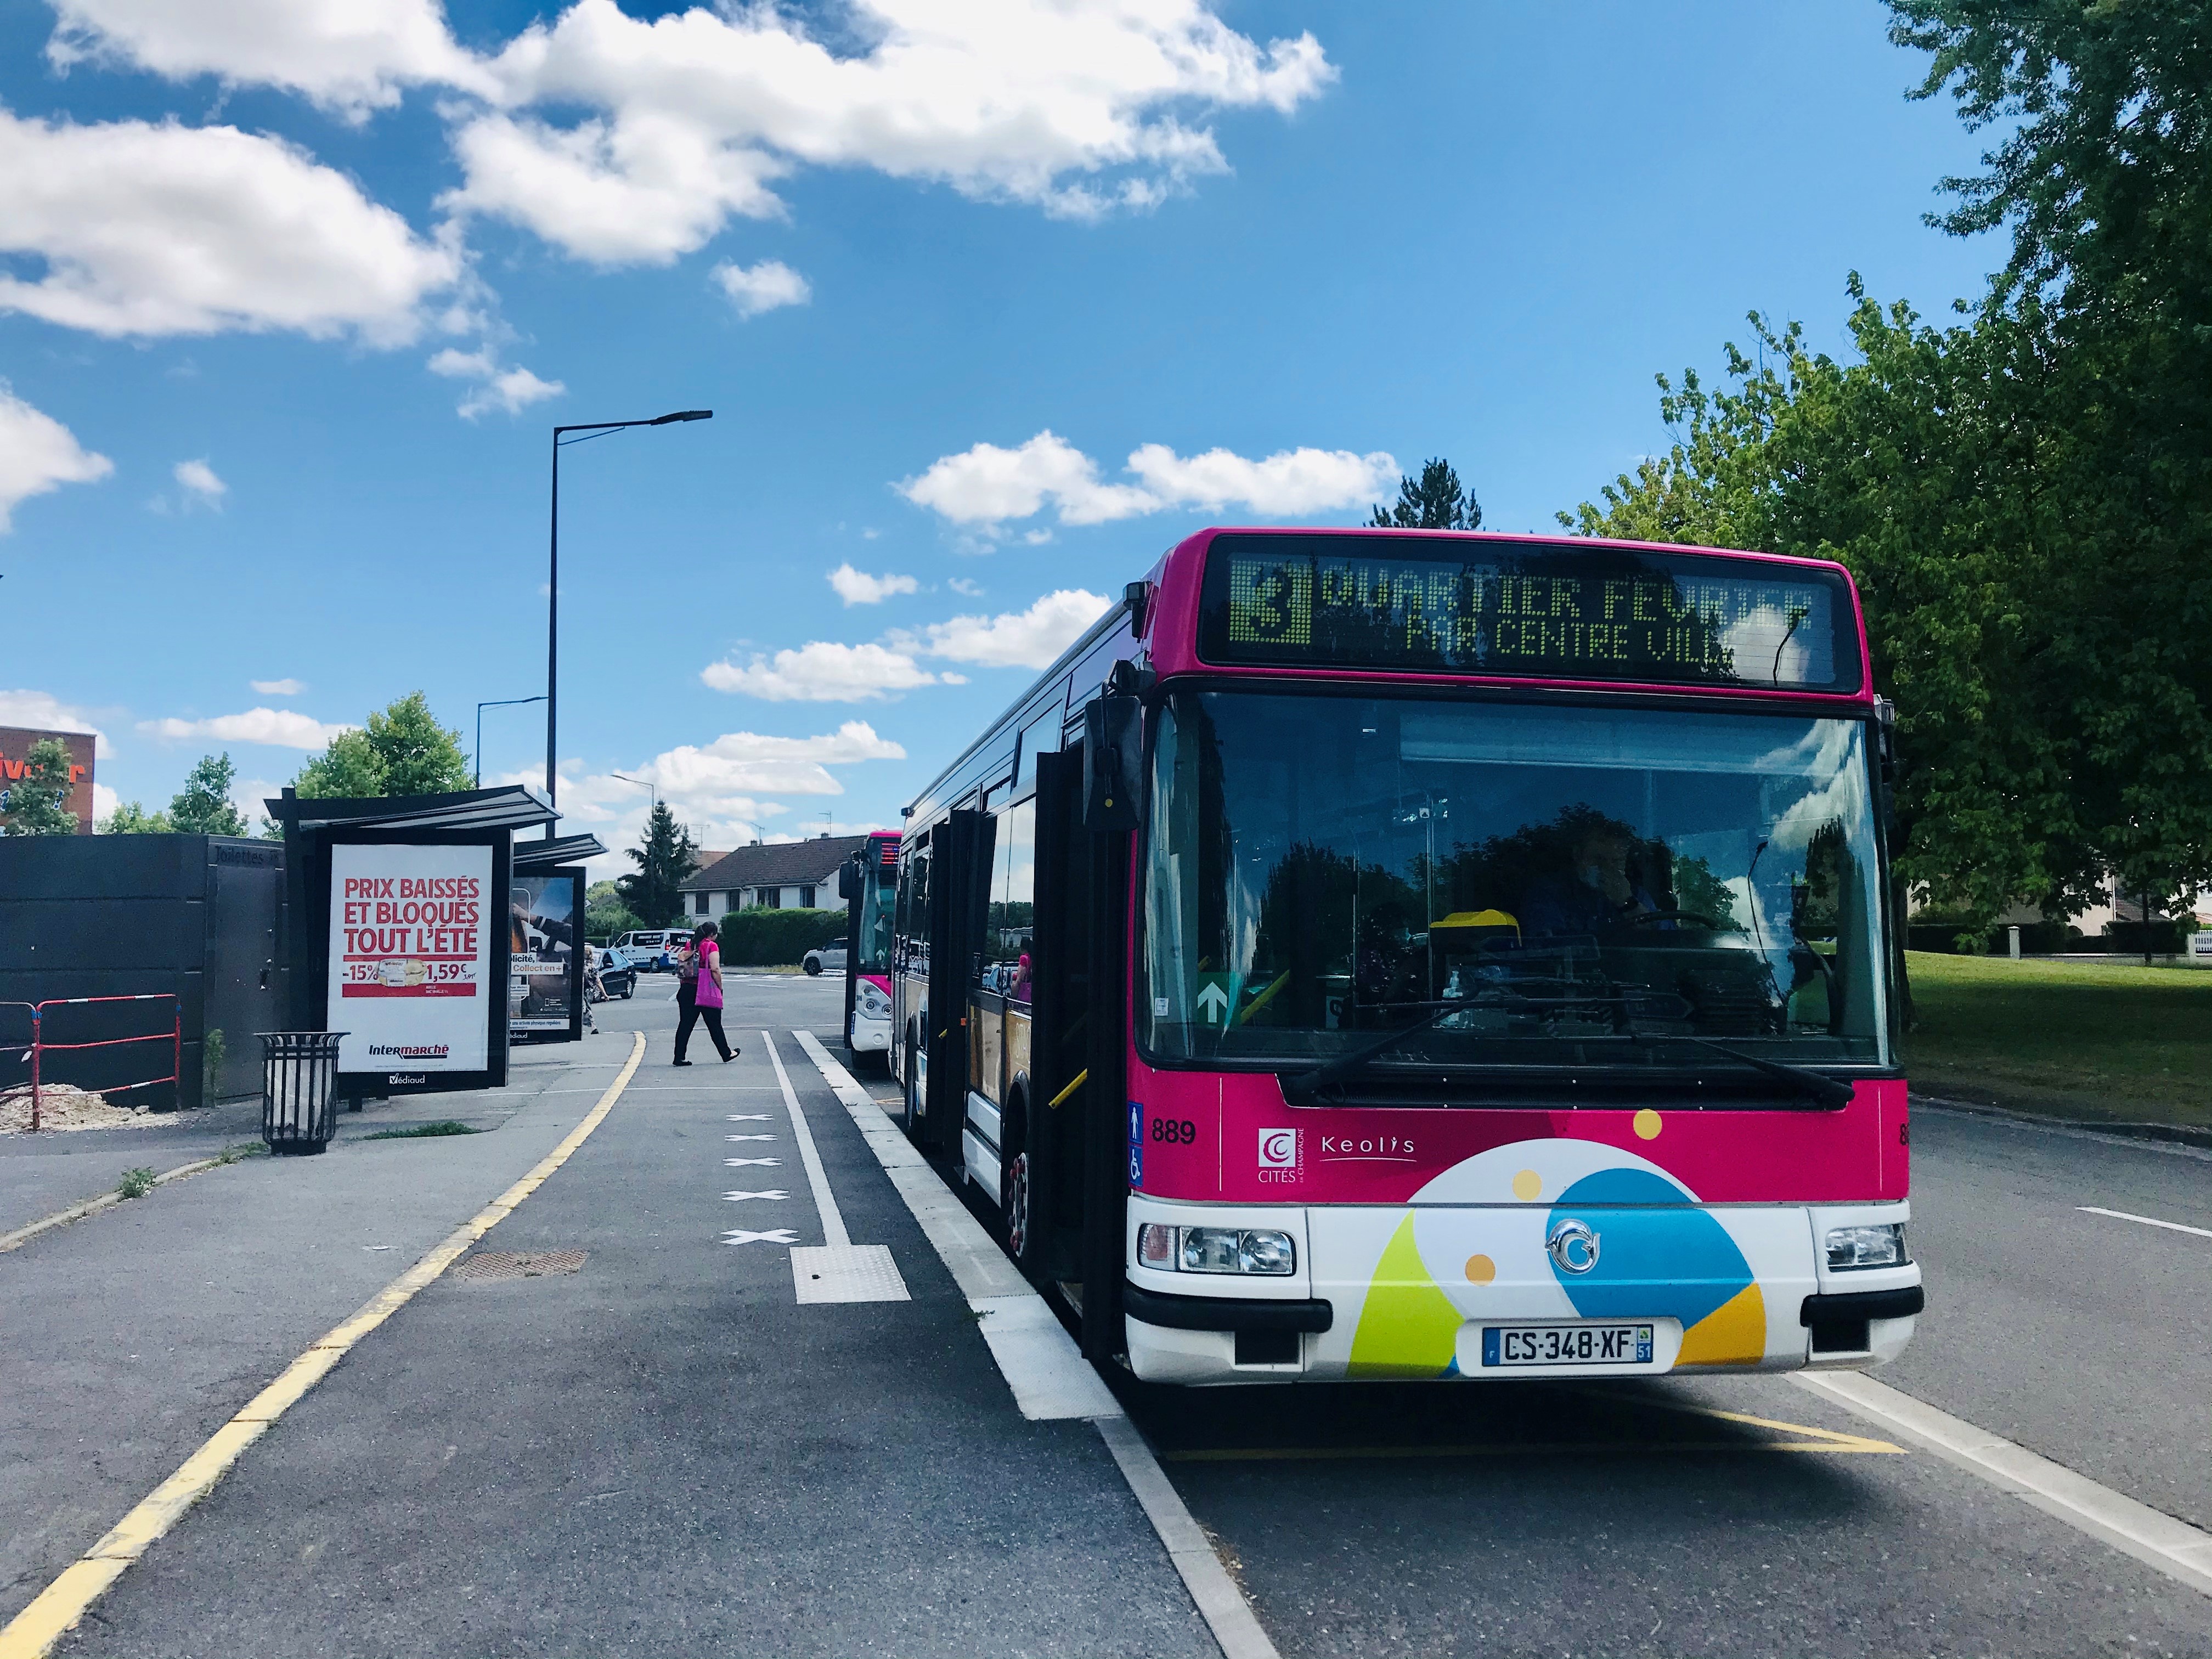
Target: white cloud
(278, 687)
(1015, 639)
(348, 55)
(103, 802)
(690, 118)
(961, 585)
(200, 484)
(763, 287)
(151, 230)
(718, 788)
(987, 486)
(509, 390)
(822, 671)
(41, 711)
(285, 728)
(39, 453)
(858, 587)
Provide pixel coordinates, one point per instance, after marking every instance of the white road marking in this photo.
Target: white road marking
(825, 1201)
(2158, 1541)
(774, 1235)
(2147, 1220)
(752, 1162)
(739, 1198)
(749, 1137)
(1041, 1362)
(749, 1117)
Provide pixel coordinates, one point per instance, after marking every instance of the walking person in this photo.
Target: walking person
(699, 994)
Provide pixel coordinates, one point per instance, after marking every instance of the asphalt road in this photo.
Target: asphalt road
(664, 1453)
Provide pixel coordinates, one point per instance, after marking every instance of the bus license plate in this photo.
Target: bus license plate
(1566, 1344)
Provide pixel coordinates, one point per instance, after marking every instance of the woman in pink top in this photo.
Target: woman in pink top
(705, 1003)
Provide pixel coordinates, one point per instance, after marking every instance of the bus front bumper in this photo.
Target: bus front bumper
(1429, 1292)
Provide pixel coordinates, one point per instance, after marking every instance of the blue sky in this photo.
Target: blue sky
(288, 287)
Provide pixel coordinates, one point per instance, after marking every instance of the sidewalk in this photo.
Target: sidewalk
(128, 1337)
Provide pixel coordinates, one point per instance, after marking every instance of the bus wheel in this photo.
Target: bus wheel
(1016, 1198)
(912, 1115)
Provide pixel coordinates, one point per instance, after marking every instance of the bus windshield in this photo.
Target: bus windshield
(876, 916)
(1552, 885)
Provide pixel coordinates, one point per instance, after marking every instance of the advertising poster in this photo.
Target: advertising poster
(543, 971)
(411, 957)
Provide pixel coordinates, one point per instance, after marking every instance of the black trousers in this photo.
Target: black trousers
(690, 1014)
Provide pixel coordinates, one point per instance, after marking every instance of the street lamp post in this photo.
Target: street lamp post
(589, 429)
(643, 783)
(498, 703)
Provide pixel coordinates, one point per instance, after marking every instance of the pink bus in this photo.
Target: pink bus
(1424, 955)
(865, 884)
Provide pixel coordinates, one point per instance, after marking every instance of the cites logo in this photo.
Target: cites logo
(1278, 1154)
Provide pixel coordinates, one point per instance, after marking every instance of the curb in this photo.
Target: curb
(23, 1236)
(2174, 1133)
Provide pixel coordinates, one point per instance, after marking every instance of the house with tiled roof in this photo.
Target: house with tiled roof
(789, 875)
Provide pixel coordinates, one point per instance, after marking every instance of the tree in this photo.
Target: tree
(130, 818)
(1435, 502)
(402, 751)
(653, 890)
(37, 803)
(203, 807)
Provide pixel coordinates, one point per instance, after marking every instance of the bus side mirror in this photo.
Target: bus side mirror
(848, 881)
(1112, 749)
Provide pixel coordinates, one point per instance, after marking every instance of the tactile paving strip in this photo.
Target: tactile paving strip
(518, 1264)
(853, 1272)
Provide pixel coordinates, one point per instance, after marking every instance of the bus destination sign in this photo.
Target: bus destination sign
(1551, 611)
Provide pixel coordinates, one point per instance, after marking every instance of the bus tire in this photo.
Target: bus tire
(910, 1116)
(1016, 1191)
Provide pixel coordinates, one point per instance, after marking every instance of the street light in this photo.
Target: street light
(643, 783)
(590, 429)
(499, 702)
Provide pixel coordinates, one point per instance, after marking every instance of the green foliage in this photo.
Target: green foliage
(1436, 501)
(214, 1051)
(776, 938)
(669, 855)
(402, 752)
(349, 769)
(130, 818)
(436, 1131)
(36, 803)
(136, 1184)
(203, 807)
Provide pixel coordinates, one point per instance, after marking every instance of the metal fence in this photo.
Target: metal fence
(41, 1044)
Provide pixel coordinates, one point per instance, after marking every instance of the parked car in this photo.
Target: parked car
(829, 959)
(616, 977)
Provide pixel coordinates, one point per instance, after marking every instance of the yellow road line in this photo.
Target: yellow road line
(32, 1633)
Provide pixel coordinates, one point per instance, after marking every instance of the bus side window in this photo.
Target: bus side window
(1008, 926)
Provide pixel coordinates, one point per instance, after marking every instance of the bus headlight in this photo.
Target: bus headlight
(869, 999)
(1216, 1249)
(1866, 1246)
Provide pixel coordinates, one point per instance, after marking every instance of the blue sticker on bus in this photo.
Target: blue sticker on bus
(1136, 1143)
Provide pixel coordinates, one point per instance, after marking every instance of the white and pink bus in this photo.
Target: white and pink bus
(1415, 954)
(864, 883)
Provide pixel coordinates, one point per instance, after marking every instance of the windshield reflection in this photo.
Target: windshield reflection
(1588, 882)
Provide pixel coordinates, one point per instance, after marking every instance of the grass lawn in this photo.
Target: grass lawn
(2079, 1039)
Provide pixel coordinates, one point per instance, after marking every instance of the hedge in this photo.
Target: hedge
(776, 936)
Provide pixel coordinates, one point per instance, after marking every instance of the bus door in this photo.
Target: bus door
(851, 877)
(1079, 1146)
(960, 871)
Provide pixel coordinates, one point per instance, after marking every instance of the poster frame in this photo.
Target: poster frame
(572, 873)
(312, 954)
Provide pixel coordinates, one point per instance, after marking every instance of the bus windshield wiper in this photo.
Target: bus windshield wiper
(1828, 1090)
(1336, 1070)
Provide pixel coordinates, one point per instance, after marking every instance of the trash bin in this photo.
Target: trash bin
(298, 1089)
